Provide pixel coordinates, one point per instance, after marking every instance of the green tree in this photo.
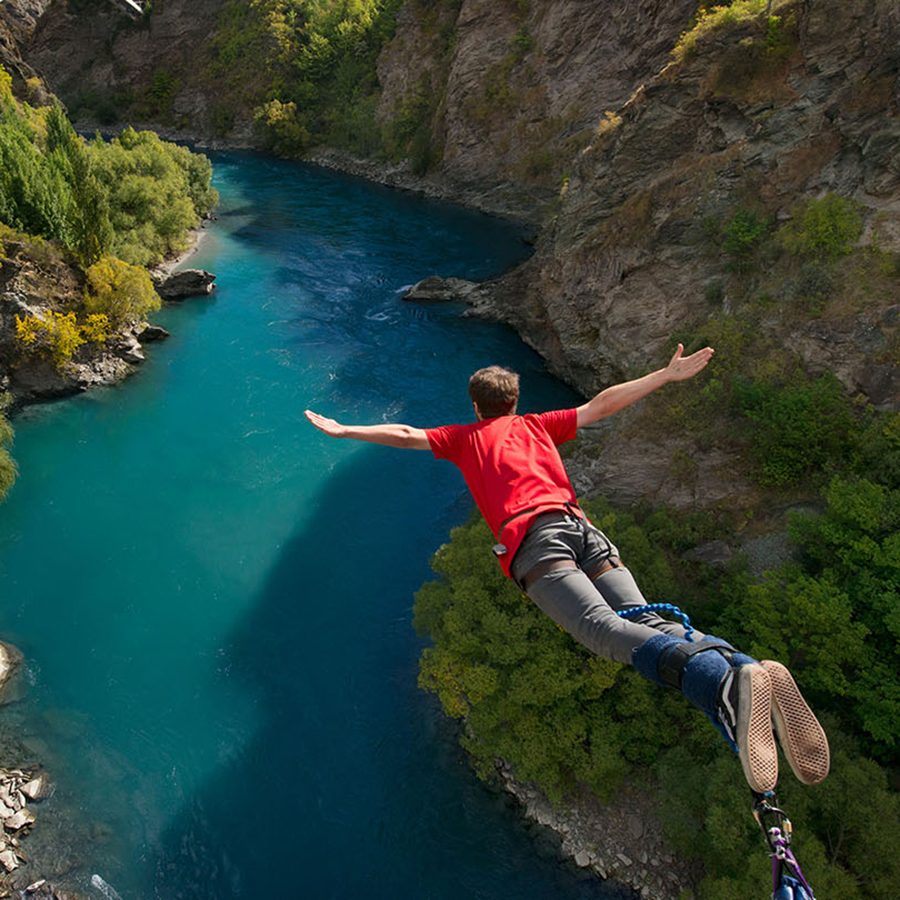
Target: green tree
(89, 230)
(34, 196)
(156, 193)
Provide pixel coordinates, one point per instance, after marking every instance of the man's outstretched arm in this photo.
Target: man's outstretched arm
(403, 436)
(617, 397)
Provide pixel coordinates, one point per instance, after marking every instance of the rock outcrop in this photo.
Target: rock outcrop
(32, 283)
(622, 840)
(18, 21)
(94, 52)
(626, 262)
(185, 283)
(435, 289)
(515, 90)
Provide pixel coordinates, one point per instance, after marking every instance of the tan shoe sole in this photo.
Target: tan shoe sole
(802, 738)
(755, 740)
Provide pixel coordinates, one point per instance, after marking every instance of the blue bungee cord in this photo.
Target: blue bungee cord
(635, 611)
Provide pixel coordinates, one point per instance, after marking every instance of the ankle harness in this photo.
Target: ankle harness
(674, 659)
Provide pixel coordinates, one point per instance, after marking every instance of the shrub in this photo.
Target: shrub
(609, 122)
(7, 101)
(320, 63)
(797, 428)
(58, 335)
(96, 328)
(711, 19)
(522, 42)
(827, 227)
(287, 133)
(136, 196)
(121, 292)
(409, 133)
(742, 236)
(52, 334)
(812, 286)
(8, 469)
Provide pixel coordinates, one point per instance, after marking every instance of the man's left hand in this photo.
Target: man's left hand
(680, 368)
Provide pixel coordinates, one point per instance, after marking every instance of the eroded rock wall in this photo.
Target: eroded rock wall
(515, 89)
(625, 263)
(97, 51)
(18, 20)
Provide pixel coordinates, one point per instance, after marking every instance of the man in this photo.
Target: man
(573, 572)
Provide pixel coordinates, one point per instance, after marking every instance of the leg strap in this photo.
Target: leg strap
(675, 657)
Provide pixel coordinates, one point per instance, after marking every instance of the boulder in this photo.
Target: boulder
(435, 289)
(19, 820)
(36, 789)
(186, 283)
(152, 333)
(10, 661)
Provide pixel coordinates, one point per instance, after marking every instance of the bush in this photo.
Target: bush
(812, 287)
(319, 59)
(52, 334)
(409, 133)
(157, 192)
(8, 469)
(712, 18)
(121, 292)
(798, 429)
(828, 228)
(286, 132)
(742, 236)
(136, 196)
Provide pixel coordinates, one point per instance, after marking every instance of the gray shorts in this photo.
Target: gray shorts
(585, 608)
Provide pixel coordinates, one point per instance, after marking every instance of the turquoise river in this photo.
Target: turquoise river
(214, 599)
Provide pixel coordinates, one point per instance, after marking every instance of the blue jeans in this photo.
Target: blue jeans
(586, 608)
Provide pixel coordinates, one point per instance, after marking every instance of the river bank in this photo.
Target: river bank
(41, 851)
(503, 200)
(34, 279)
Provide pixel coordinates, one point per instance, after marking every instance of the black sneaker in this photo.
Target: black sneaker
(801, 736)
(744, 710)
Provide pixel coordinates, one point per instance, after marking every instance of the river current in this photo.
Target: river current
(214, 599)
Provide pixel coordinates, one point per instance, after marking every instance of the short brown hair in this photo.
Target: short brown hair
(495, 391)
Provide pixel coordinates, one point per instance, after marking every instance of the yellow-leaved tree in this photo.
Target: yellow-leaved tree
(120, 291)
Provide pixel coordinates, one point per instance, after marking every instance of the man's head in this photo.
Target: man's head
(494, 391)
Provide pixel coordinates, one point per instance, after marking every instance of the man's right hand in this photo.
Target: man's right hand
(329, 426)
(404, 437)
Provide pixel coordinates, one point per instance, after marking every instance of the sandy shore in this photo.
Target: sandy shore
(196, 238)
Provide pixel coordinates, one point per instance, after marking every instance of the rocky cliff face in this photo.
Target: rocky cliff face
(634, 253)
(625, 263)
(506, 92)
(513, 89)
(17, 24)
(96, 54)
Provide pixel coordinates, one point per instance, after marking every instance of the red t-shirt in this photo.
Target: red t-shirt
(512, 468)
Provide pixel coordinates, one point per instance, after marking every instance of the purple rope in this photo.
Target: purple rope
(783, 856)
